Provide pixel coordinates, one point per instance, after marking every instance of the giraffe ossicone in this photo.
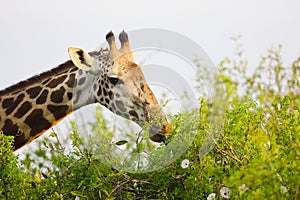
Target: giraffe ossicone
(108, 76)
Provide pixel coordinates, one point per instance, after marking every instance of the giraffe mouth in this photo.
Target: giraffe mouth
(159, 133)
(159, 127)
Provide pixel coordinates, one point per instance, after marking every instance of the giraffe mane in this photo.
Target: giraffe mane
(38, 78)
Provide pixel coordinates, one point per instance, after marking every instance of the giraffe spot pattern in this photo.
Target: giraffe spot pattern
(134, 114)
(25, 107)
(54, 82)
(20, 140)
(14, 104)
(143, 87)
(101, 100)
(107, 101)
(113, 106)
(106, 85)
(81, 81)
(95, 87)
(19, 117)
(78, 93)
(34, 92)
(58, 111)
(75, 82)
(46, 81)
(99, 93)
(7, 102)
(71, 81)
(43, 97)
(111, 95)
(58, 95)
(10, 128)
(104, 92)
(70, 95)
(120, 106)
(34, 117)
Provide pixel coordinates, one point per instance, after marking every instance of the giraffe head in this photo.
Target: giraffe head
(113, 79)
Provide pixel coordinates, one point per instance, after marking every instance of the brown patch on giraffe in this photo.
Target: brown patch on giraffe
(95, 87)
(10, 128)
(13, 105)
(58, 95)
(106, 85)
(134, 114)
(104, 92)
(54, 82)
(7, 102)
(101, 100)
(111, 95)
(113, 106)
(37, 122)
(99, 92)
(20, 140)
(58, 111)
(78, 93)
(107, 101)
(70, 96)
(25, 107)
(43, 97)
(71, 81)
(34, 91)
(143, 87)
(81, 81)
(120, 106)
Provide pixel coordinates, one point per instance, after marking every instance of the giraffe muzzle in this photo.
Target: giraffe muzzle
(159, 133)
(159, 127)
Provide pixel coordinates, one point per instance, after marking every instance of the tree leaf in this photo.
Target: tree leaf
(52, 134)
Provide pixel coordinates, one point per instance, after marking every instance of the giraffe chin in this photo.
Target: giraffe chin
(158, 134)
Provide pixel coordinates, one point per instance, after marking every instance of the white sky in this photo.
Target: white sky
(35, 34)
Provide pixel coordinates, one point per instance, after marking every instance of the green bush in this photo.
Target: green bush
(256, 156)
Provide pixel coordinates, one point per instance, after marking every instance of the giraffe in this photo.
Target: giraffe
(109, 77)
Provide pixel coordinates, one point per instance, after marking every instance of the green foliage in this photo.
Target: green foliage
(256, 156)
(12, 179)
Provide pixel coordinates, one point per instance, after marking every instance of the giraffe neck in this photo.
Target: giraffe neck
(31, 107)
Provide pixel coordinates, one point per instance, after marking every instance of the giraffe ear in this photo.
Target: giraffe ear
(81, 58)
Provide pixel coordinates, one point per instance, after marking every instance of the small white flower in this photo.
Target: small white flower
(243, 188)
(185, 163)
(211, 196)
(283, 189)
(225, 192)
(251, 109)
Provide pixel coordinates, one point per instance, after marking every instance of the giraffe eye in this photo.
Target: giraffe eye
(115, 81)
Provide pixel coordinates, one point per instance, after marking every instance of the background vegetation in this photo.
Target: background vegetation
(257, 155)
